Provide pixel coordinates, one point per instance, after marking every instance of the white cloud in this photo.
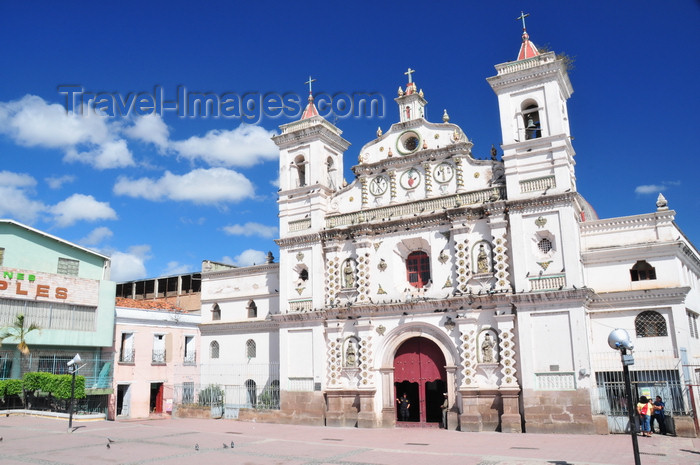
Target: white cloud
(150, 129)
(79, 207)
(244, 146)
(174, 268)
(96, 236)
(58, 182)
(251, 229)
(201, 186)
(88, 138)
(15, 191)
(129, 266)
(649, 189)
(247, 258)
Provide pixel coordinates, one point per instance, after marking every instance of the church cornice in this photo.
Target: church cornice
(308, 130)
(242, 271)
(628, 223)
(306, 239)
(236, 327)
(613, 301)
(535, 204)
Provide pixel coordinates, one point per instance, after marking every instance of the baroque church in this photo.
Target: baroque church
(489, 283)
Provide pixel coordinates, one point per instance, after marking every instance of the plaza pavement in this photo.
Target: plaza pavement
(45, 441)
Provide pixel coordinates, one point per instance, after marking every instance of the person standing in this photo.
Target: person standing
(645, 408)
(445, 409)
(404, 406)
(659, 415)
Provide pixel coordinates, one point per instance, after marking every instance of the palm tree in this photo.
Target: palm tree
(19, 333)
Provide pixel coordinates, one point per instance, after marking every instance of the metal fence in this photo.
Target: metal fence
(228, 388)
(97, 370)
(654, 373)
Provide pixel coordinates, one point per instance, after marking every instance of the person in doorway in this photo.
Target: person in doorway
(645, 408)
(404, 406)
(445, 409)
(659, 415)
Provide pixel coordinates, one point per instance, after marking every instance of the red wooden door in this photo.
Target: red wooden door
(419, 361)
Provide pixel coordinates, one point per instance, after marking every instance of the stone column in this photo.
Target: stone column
(388, 400)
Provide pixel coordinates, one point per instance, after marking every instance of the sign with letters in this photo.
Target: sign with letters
(29, 285)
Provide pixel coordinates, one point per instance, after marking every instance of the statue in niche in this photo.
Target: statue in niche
(487, 349)
(348, 275)
(350, 355)
(482, 260)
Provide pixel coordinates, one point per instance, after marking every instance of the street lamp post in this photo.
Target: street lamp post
(73, 367)
(619, 339)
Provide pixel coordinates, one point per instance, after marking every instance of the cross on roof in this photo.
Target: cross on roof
(409, 72)
(523, 16)
(309, 83)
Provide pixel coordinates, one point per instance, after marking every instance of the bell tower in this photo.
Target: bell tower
(411, 102)
(532, 93)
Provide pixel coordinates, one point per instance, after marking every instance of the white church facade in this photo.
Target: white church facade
(491, 283)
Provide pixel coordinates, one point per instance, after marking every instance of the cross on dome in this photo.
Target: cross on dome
(527, 49)
(409, 72)
(309, 83)
(310, 110)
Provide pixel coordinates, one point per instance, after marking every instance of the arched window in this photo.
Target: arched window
(531, 119)
(418, 269)
(252, 309)
(650, 324)
(216, 312)
(214, 349)
(300, 164)
(642, 271)
(250, 349)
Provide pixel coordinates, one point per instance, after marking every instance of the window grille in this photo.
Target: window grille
(545, 245)
(68, 267)
(214, 349)
(650, 324)
(693, 324)
(250, 349)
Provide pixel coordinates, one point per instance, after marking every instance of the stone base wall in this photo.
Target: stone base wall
(481, 411)
(559, 412)
(192, 412)
(302, 408)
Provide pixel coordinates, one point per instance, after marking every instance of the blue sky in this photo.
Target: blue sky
(161, 193)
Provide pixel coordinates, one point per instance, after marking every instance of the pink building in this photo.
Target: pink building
(155, 353)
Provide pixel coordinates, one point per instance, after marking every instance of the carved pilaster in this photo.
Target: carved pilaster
(428, 179)
(392, 186)
(365, 196)
(459, 164)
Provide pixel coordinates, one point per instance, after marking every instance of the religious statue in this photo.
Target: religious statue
(350, 355)
(348, 275)
(487, 355)
(482, 260)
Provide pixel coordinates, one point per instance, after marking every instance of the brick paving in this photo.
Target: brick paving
(44, 441)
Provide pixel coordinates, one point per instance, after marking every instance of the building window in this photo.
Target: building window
(251, 389)
(216, 312)
(2, 255)
(54, 364)
(418, 269)
(188, 392)
(190, 354)
(300, 165)
(252, 310)
(544, 245)
(68, 267)
(531, 119)
(650, 324)
(693, 324)
(214, 349)
(642, 271)
(250, 349)
(5, 366)
(126, 353)
(158, 349)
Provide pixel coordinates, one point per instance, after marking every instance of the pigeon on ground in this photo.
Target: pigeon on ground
(108, 446)
(110, 440)
(196, 447)
(231, 444)
(225, 446)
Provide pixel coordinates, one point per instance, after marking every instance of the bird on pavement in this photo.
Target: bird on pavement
(196, 447)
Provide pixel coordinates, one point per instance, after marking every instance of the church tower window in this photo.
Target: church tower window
(545, 245)
(650, 324)
(531, 119)
(418, 269)
(642, 271)
(216, 312)
(214, 349)
(300, 165)
(250, 349)
(252, 309)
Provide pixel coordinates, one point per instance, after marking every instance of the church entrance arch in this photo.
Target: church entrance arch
(419, 371)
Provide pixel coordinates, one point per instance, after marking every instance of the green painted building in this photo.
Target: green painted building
(65, 290)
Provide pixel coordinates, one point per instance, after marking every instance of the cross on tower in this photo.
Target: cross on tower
(523, 16)
(309, 83)
(409, 72)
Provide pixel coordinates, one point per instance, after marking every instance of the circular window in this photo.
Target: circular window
(409, 142)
